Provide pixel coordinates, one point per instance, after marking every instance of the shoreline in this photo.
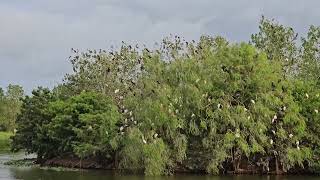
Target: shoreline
(73, 164)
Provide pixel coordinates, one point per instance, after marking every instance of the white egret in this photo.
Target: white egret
(155, 135)
(274, 118)
(237, 135)
(143, 140)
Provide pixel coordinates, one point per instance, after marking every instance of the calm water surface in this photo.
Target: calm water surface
(34, 173)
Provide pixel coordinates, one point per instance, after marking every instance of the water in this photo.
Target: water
(35, 173)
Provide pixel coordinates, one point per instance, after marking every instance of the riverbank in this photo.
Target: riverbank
(20, 160)
(70, 162)
(76, 164)
(14, 172)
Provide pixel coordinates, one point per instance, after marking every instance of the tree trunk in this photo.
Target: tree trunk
(234, 161)
(116, 160)
(277, 165)
(238, 163)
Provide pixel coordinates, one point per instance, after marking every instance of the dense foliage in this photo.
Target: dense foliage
(208, 106)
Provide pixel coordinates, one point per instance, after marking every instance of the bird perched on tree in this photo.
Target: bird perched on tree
(271, 141)
(274, 118)
(143, 140)
(155, 135)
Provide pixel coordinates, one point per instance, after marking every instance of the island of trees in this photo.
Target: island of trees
(206, 106)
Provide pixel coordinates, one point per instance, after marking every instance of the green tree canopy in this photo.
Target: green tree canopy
(207, 106)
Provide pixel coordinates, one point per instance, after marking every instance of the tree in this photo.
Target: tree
(83, 125)
(1, 93)
(10, 107)
(30, 135)
(105, 72)
(225, 96)
(89, 120)
(2, 109)
(307, 91)
(279, 43)
(310, 65)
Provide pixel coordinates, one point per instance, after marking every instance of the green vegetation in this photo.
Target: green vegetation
(5, 141)
(209, 106)
(10, 106)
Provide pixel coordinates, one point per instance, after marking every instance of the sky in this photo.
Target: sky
(36, 36)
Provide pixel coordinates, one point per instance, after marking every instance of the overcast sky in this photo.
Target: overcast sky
(36, 35)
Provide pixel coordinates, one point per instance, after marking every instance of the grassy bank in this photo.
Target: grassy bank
(5, 141)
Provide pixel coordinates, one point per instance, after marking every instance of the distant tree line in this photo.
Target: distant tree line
(208, 106)
(10, 103)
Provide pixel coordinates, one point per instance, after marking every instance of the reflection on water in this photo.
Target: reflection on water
(11, 173)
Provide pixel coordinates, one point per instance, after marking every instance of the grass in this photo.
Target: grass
(5, 141)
